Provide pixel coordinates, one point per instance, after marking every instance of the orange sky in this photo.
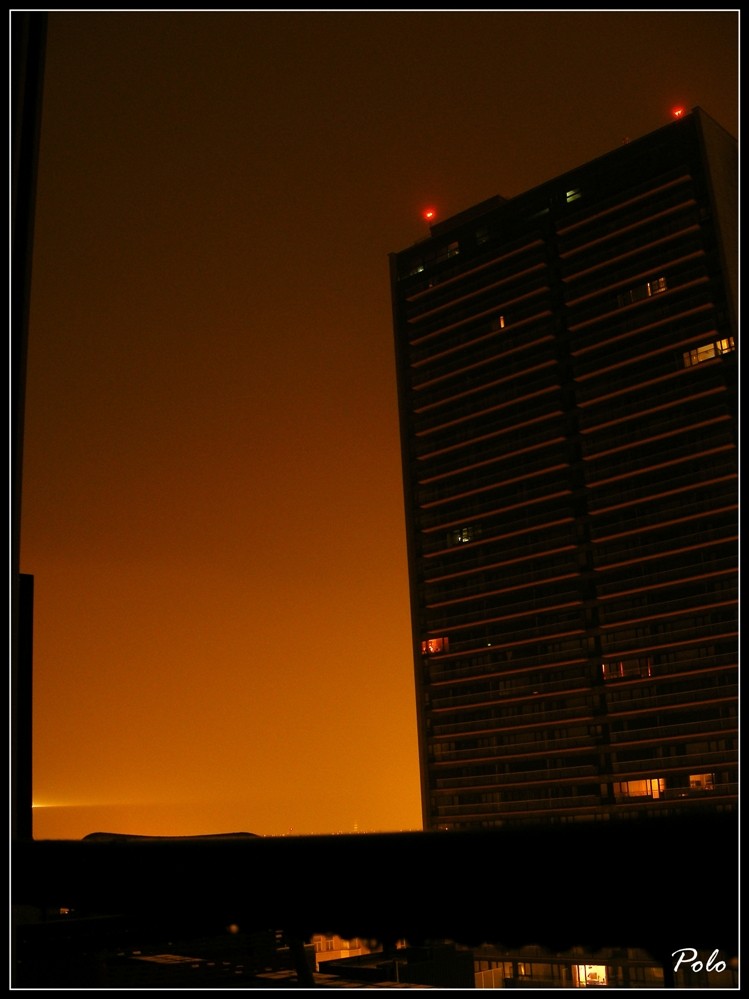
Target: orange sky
(212, 504)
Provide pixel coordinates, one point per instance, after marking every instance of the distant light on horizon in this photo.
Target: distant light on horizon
(429, 214)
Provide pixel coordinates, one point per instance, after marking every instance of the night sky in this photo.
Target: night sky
(212, 499)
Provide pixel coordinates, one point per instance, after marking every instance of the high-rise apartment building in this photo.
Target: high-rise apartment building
(567, 376)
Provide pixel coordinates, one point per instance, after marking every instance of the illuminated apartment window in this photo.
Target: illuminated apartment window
(584, 975)
(453, 249)
(432, 646)
(651, 787)
(462, 535)
(573, 195)
(620, 668)
(707, 351)
(702, 782)
(655, 287)
(417, 268)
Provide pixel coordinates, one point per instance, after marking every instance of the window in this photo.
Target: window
(651, 787)
(654, 287)
(462, 535)
(432, 646)
(619, 668)
(707, 351)
(584, 975)
(574, 195)
(702, 782)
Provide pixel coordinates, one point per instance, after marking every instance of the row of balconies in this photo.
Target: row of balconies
(491, 354)
(505, 739)
(715, 762)
(494, 670)
(689, 623)
(496, 291)
(688, 563)
(653, 282)
(576, 677)
(694, 628)
(702, 530)
(713, 717)
(539, 423)
(720, 509)
(485, 474)
(647, 373)
(527, 569)
(616, 493)
(700, 597)
(547, 572)
(492, 523)
(544, 484)
(610, 425)
(694, 696)
(668, 200)
(513, 300)
(448, 615)
(477, 811)
(508, 384)
(658, 294)
(495, 445)
(599, 407)
(513, 378)
(436, 433)
(651, 421)
(509, 627)
(503, 260)
(707, 726)
(673, 236)
(529, 322)
(481, 605)
(507, 717)
(668, 738)
(701, 497)
(640, 456)
(441, 779)
(639, 479)
(558, 579)
(459, 545)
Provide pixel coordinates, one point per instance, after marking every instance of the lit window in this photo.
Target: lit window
(651, 787)
(619, 668)
(432, 646)
(702, 782)
(584, 975)
(655, 287)
(707, 351)
(453, 249)
(573, 195)
(462, 535)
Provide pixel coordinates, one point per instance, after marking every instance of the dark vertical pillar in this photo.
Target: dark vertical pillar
(28, 45)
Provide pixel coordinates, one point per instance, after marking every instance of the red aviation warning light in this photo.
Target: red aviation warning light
(429, 214)
(678, 112)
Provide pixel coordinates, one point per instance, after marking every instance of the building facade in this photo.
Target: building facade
(567, 378)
